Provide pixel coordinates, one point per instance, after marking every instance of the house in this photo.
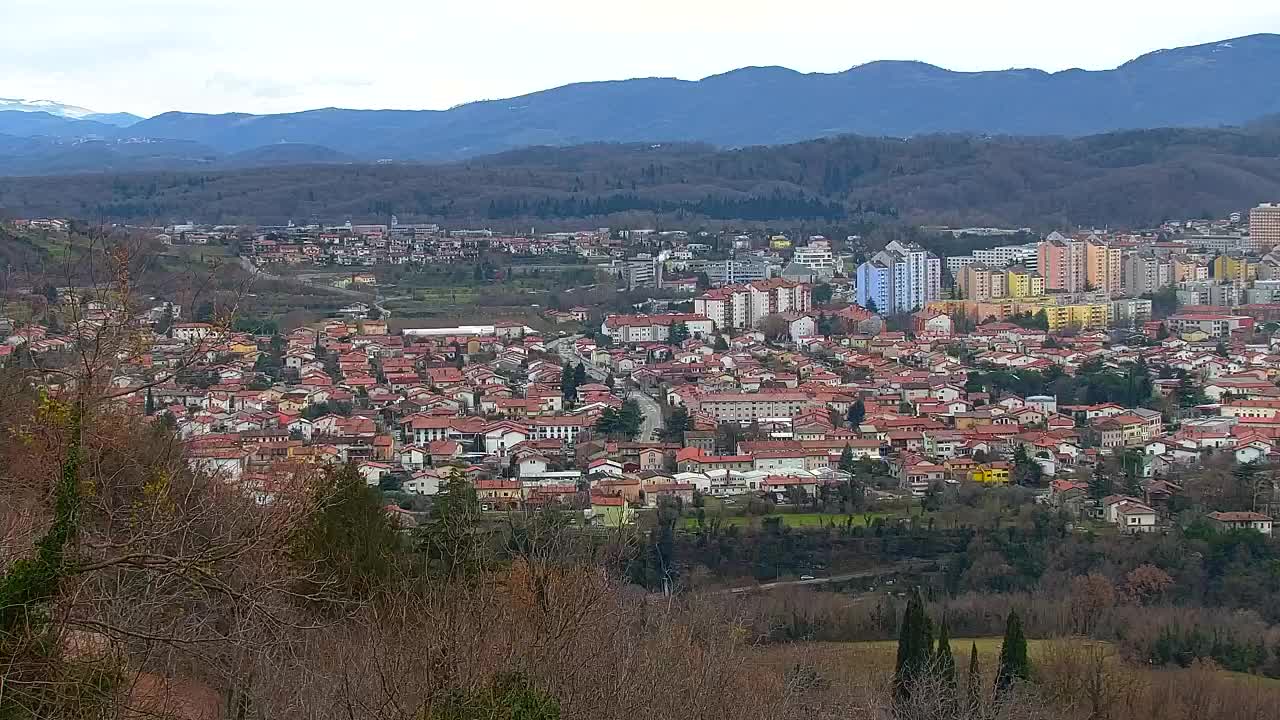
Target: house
(995, 473)
(609, 511)
(1134, 517)
(605, 466)
(373, 472)
(414, 457)
(1068, 495)
(1242, 521)
(498, 494)
(444, 451)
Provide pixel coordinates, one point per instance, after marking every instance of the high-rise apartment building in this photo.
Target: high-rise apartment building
(900, 278)
(1103, 267)
(1264, 227)
(1145, 273)
(1062, 263)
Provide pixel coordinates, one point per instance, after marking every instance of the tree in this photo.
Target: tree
(1221, 349)
(150, 408)
(1014, 664)
(720, 344)
(677, 423)
(973, 687)
(821, 294)
(857, 412)
(351, 542)
(449, 540)
(579, 378)
(1189, 392)
(775, 328)
(871, 305)
(568, 390)
(944, 666)
(1100, 484)
(914, 649)
(846, 459)
(678, 334)
(165, 326)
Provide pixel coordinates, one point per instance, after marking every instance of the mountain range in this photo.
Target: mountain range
(1227, 83)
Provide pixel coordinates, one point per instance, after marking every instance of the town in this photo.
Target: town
(1097, 369)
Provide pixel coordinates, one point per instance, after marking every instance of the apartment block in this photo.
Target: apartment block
(1264, 227)
(1062, 263)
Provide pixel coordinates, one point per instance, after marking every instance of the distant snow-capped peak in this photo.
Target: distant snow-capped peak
(49, 106)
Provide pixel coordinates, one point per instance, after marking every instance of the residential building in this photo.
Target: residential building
(1264, 227)
(1233, 268)
(816, 256)
(1103, 266)
(1242, 521)
(1062, 263)
(1020, 282)
(641, 271)
(1146, 273)
(901, 278)
(736, 272)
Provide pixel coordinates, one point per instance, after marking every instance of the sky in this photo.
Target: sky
(265, 56)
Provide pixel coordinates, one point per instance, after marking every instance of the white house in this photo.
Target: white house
(1242, 521)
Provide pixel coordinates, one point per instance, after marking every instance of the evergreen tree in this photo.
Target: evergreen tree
(944, 666)
(720, 345)
(846, 459)
(857, 412)
(913, 648)
(679, 333)
(151, 403)
(1014, 664)
(677, 424)
(1100, 485)
(973, 689)
(351, 542)
(568, 390)
(579, 378)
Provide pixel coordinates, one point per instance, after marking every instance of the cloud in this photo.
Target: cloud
(151, 56)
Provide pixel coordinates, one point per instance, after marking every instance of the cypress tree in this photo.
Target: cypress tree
(944, 665)
(1014, 664)
(974, 687)
(913, 648)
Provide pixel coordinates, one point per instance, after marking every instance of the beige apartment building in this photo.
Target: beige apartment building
(1264, 227)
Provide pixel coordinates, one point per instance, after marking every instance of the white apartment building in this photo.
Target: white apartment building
(816, 256)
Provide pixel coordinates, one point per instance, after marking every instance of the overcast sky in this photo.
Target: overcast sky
(149, 56)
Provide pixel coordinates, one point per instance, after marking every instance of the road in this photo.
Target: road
(652, 423)
(902, 567)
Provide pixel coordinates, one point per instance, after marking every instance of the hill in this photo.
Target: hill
(1211, 85)
(1128, 178)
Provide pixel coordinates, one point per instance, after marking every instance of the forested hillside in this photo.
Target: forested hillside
(1125, 178)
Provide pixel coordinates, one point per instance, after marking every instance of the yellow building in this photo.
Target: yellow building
(1022, 283)
(1092, 316)
(1234, 268)
(779, 242)
(996, 473)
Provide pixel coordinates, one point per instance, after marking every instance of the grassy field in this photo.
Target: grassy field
(879, 655)
(794, 520)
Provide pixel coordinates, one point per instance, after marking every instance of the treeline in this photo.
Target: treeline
(1132, 178)
(776, 206)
